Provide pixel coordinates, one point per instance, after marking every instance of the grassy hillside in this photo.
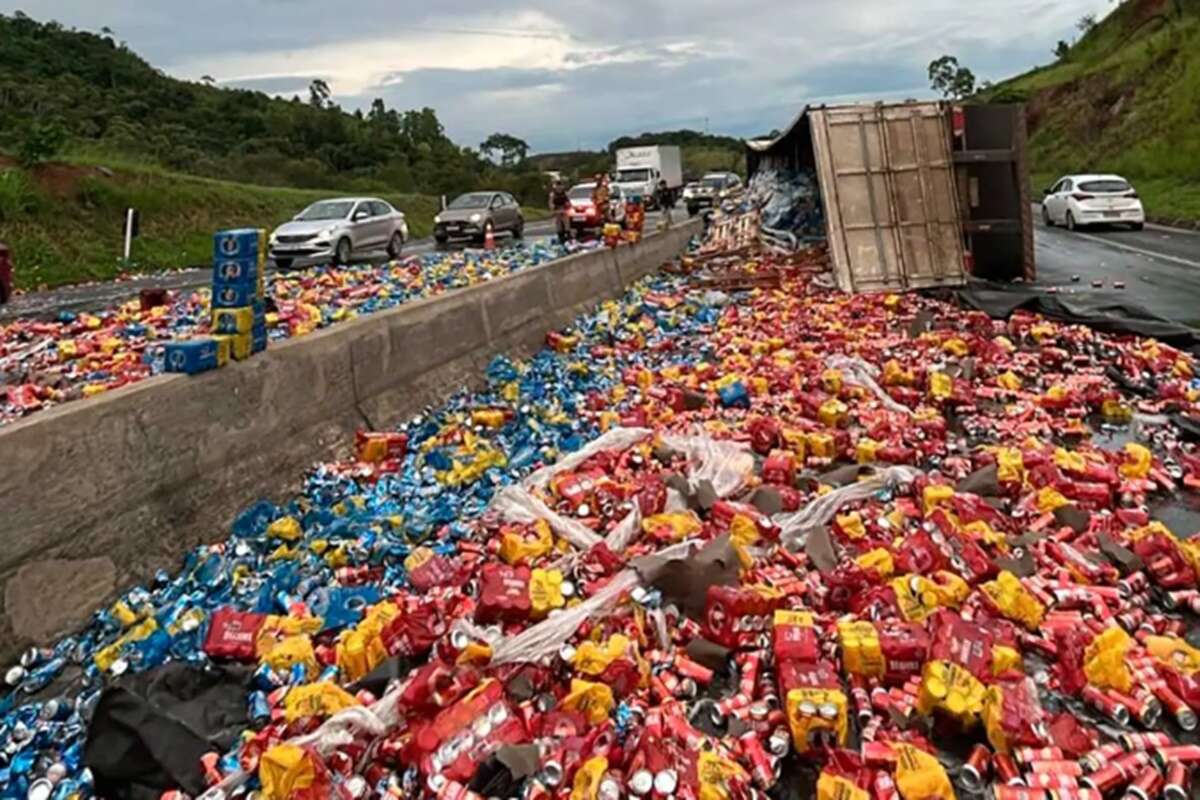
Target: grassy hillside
(109, 104)
(64, 221)
(1125, 99)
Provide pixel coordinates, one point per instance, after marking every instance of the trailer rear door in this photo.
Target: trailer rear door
(887, 179)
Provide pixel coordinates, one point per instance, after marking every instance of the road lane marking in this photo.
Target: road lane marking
(1140, 251)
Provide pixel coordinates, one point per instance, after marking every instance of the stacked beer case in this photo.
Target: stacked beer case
(238, 293)
(239, 308)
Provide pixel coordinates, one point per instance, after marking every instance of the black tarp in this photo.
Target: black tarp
(150, 730)
(1104, 311)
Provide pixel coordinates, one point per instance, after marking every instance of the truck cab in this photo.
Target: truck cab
(640, 171)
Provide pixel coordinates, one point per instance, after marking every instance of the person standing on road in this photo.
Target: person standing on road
(560, 204)
(600, 197)
(663, 199)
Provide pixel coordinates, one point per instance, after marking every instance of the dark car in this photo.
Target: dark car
(470, 216)
(6, 273)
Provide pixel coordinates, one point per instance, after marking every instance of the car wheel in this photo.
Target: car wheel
(519, 230)
(693, 210)
(1071, 225)
(283, 263)
(395, 245)
(342, 253)
(1046, 220)
(1137, 226)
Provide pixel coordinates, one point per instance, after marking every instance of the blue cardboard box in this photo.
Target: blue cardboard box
(258, 339)
(246, 243)
(235, 272)
(192, 356)
(232, 296)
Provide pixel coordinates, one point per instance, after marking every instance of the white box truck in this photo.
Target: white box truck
(639, 170)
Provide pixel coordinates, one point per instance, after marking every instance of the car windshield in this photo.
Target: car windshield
(476, 200)
(1114, 186)
(329, 209)
(714, 183)
(633, 175)
(581, 192)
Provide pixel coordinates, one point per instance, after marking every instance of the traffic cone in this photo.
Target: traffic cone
(489, 238)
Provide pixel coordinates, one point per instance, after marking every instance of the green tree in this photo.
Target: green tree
(510, 149)
(1062, 50)
(41, 142)
(318, 93)
(952, 81)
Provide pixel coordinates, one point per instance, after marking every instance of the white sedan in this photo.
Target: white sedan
(1080, 200)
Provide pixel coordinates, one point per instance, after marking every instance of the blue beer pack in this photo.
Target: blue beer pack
(233, 296)
(236, 272)
(192, 356)
(243, 243)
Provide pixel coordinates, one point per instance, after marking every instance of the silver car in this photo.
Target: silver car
(338, 229)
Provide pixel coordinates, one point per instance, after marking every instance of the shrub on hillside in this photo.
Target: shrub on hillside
(17, 195)
(41, 142)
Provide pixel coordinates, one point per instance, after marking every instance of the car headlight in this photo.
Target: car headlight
(476, 217)
(327, 233)
(437, 220)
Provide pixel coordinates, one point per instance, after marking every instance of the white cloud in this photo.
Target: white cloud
(353, 66)
(565, 72)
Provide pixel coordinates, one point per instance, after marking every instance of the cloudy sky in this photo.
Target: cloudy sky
(567, 73)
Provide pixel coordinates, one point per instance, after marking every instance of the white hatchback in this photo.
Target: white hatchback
(1080, 200)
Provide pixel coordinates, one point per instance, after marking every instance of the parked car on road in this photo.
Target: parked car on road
(338, 229)
(6, 274)
(470, 215)
(1077, 201)
(584, 214)
(714, 188)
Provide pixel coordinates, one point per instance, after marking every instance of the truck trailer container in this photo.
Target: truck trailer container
(914, 195)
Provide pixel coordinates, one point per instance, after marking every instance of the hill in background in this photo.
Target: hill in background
(701, 153)
(116, 108)
(1125, 99)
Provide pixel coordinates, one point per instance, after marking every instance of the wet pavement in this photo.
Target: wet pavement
(1160, 267)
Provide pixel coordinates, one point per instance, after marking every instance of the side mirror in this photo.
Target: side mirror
(359, 216)
(1047, 192)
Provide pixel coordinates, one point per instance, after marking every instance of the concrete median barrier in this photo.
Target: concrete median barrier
(97, 495)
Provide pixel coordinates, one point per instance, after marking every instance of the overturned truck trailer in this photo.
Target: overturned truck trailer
(914, 195)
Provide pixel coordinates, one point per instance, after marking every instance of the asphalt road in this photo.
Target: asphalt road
(96, 296)
(1159, 267)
